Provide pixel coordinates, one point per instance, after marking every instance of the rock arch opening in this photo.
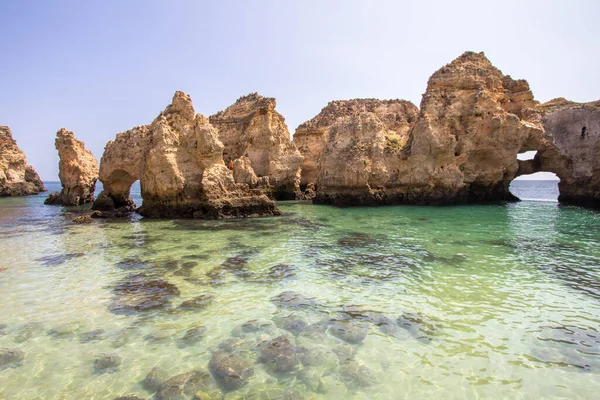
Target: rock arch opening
(538, 186)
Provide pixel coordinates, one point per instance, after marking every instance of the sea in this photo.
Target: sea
(491, 301)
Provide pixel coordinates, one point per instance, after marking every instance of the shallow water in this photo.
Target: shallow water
(465, 302)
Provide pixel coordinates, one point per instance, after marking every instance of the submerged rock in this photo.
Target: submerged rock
(357, 374)
(253, 326)
(154, 380)
(279, 356)
(193, 335)
(92, 336)
(178, 159)
(78, 171)
(349, 331)
(16, 177)
(11, 356)
(198, 303)
(229, 370)
(184, 385)
(292, 323)
(107, 363)
(293, 299)
(139, 293)
(129, 397)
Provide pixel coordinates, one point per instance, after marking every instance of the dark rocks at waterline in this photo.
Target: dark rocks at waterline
(279, 356)
(193, 336)
(107, 363)
(184, 385)
(291, 323)
(11, 357)
(349, 331)
(57, 259)
(154, 380)
(198, 303)
(229, 370)
(92, 336)
(293, 300)
(139, 293)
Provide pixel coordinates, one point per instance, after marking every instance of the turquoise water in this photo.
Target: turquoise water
(462, 302)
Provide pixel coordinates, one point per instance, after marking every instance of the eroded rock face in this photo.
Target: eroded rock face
(461, 147)
(178, 159)
(78, 171)
(16, 177)
(570, 147)
(311, 137)
(252, 128)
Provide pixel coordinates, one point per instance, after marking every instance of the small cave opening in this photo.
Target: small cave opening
(527, 155)
(539, 186)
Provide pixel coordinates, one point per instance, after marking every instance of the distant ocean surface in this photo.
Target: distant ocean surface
(494, 301)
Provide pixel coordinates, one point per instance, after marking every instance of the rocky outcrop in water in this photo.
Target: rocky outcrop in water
(78, 171)
(178, 159)
(16, 177)
(569, 147)
(252, 128)
(461, 146)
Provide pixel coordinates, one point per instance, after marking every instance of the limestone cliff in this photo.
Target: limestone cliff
(178, 159)
(461, 147)
(78, 171)
(16, 177)
(569, 147)
(311, 138)
(253, 128)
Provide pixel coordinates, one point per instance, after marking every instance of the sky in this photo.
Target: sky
(102, 67)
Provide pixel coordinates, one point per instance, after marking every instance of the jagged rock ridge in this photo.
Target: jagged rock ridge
(178, 159)
(461, 146)
(16, 177)
(78, 171)
(252, 128)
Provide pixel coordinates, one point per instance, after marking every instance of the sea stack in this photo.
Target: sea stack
(461, 146)
(16, 177)
(178, 160)
(252, 128)
(78, 171)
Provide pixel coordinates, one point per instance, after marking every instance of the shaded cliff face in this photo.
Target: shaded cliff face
(461, 146)
(178, 159)
(16, 177)
(570, 147)
(78, 171)
(253, 128)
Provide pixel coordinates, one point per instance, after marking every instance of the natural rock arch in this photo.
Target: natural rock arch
(178, 160)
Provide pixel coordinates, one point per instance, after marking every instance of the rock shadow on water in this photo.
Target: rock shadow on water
(139, 293)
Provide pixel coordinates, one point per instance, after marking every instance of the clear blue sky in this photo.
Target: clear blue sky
(101, 67)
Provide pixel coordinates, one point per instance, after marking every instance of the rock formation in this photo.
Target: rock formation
(461, 147)
(178, 159)
(252, 128)
(78, 171)
(393, 118)
(16, 177)
(570, 147)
